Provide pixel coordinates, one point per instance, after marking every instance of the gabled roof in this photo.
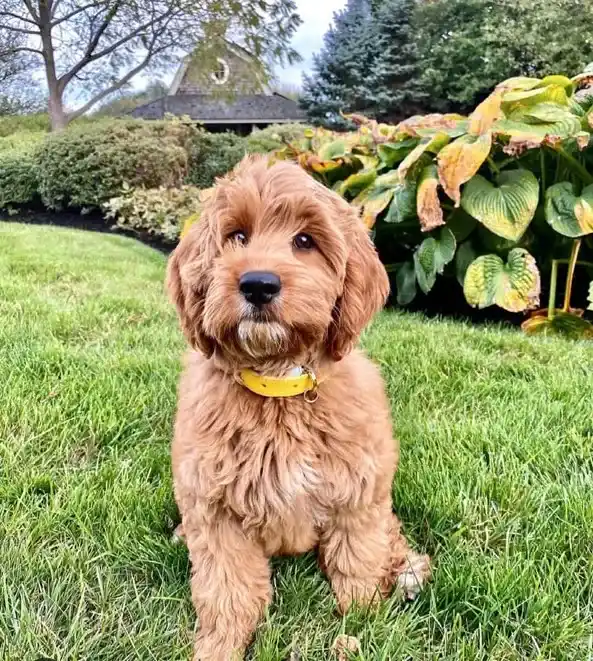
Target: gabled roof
(210, 109)
(235, 49)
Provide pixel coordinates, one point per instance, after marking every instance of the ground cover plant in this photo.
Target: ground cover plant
(494, 481)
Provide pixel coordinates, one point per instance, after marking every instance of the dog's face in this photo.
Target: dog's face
(278, 266)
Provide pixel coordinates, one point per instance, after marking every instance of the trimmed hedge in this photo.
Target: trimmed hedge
(86, 165)
(212, 155)
(18, 169)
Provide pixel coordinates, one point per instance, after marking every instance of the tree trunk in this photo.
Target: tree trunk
(57, 116)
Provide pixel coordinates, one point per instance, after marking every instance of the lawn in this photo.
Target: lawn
(496, 477)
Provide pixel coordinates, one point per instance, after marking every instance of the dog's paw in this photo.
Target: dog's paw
(178, 537)
(414, 575)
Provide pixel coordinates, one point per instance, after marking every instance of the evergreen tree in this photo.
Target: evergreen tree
(342, 68)
(368, 64)
(393, 88)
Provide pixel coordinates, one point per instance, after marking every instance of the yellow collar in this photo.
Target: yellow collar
(303, 382)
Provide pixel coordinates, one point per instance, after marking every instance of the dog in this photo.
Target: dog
(283, 440)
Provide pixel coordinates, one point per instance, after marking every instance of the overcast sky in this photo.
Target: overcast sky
(317, 16)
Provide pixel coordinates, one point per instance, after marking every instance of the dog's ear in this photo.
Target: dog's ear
(187, 281)
(366, 287)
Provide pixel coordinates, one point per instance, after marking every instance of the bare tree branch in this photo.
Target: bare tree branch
(19, 30)
(9, 14)
(20, 49)
(74, 13)
(32, 11)
(89, 56)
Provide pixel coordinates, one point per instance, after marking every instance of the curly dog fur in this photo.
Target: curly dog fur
(256, 477)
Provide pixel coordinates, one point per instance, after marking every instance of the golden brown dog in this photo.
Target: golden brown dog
(277, 280)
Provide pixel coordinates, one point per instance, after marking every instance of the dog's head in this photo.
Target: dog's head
(277, 266)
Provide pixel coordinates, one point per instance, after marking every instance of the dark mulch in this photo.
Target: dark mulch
(92, 222)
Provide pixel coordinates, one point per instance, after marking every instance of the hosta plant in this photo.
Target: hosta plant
(494, 199)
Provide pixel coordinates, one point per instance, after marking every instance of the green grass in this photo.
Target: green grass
(496, 477)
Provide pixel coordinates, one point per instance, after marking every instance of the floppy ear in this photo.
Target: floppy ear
(187, 282)
(366, 287)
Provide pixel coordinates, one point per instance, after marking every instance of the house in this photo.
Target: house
(228, 96)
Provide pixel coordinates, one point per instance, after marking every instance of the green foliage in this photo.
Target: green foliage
(263, 141)
(467, 46)
(468, 197)
(10, 124)
(157, 211)
(18, 169)
(86, 165)
(212, 155)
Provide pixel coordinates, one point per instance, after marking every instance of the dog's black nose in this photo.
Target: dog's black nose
(259, 287)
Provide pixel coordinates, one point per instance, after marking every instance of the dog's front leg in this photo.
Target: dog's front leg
(364, 554)
(230, 587)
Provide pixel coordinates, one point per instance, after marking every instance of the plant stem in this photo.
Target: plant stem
(576, 246)
(553, 284)
(495, 169)
(542, 161)
(575, 165)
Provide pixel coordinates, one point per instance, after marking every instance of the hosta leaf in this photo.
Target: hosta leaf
(553, 93)
(486, 113)
(428, 125)
(540, 113)
(569, 325)
(505, 209)
(460, 160)
(403, 204)
(376, 203)
(514, 286)
(357, 182)
(392, 153)
(434, 145)
(568, 214)
(560, 81)
(464, 256)
(428, 205)
(405, 281)
(519, 83)
(431, 257)
(332, 150)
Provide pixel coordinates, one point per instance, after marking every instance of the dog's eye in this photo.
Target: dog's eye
(303, 242)
(239, 236)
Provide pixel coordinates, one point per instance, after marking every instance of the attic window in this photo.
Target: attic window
(221, 75)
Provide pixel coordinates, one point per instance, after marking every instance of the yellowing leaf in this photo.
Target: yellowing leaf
(519, 83)
(434, 145)
(374, 205)
(482, 118)
(428, 205)
(568, 214)
(514, 286)
(188, 223)
(570, 325)
(506, 208)
(460, 160)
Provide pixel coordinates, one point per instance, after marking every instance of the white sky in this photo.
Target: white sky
(317, 16)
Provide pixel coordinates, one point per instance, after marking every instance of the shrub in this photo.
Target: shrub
(490, 200)
(10, 124)
(274, 137)
(212, 155)
(87, 164)
(158, 211)
(18, 169)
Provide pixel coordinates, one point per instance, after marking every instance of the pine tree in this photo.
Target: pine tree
(342, 68)
(369, 64)
(394, 91)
